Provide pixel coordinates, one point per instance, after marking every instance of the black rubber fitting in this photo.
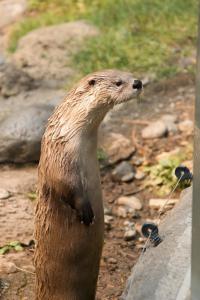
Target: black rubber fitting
(183, 173)
(150, 230)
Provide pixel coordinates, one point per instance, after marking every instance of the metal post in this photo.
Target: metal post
(195, 270)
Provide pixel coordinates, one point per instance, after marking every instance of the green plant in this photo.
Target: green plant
(32, 196)
(101, 155)
(16, 245)
(161, 176)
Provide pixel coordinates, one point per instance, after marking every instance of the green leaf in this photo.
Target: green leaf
(18, 248)
(4, 249)
(32, 196)
(14, 243)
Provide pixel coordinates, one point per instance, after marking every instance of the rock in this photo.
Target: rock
(107, 211)
(130, 231)
(158, 203)
(14, 80)
(6, 266)
(156, 129)
(169, 121)
(137, 161)
(11, 10)
(122, 212)
(108, 219)
(128, 177)
(129, 224)
(112, 261)
(124, 172)
(46, 55)
(140, 175)
(186, 126)
(130, 201)
(129, 235)
(21, 132)
(4, 194)
(118, 147)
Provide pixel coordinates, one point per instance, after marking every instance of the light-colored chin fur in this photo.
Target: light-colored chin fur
(133, 97)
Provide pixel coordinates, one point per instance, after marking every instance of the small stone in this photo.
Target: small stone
(7, 267)
(186, 126)
(124, 172)
(112, 261)
(108, 219)
(122, 212)
(128, 223)
(156, 129)
(107, 211)
(141, 239)
(157, 203)
(129, 235)
(4, 194)
(140, 175)
(171, 127)
(169, 121)
(130, 201)
(137, 161)
(138, 227)
(118, 148)
(128, 177)
(130, 231)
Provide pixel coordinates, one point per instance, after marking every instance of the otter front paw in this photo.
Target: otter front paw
(86, 213)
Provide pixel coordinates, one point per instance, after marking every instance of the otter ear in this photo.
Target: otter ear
(92, 82)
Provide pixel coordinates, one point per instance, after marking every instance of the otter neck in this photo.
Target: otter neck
(77, 121)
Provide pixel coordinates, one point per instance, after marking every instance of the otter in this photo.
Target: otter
(69, 222)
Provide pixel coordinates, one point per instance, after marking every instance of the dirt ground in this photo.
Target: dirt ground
(174, 96)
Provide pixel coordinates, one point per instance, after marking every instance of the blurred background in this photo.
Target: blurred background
(45, 47)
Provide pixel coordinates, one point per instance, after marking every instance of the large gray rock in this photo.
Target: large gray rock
(21, 132)
(45, 53)
(163, 272)
(13, 80)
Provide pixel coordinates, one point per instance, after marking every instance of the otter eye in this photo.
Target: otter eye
(119, 82)
(92, 82)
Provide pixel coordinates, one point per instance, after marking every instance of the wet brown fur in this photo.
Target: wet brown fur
(68, 252)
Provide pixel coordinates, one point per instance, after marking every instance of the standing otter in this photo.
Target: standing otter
(69, 222)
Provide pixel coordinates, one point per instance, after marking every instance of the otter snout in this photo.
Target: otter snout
(137, 84)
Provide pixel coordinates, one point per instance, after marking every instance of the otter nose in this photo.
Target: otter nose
(137, 84)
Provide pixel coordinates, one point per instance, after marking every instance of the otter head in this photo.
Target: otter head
(100, 91)
(88, 102)
(110, 87)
